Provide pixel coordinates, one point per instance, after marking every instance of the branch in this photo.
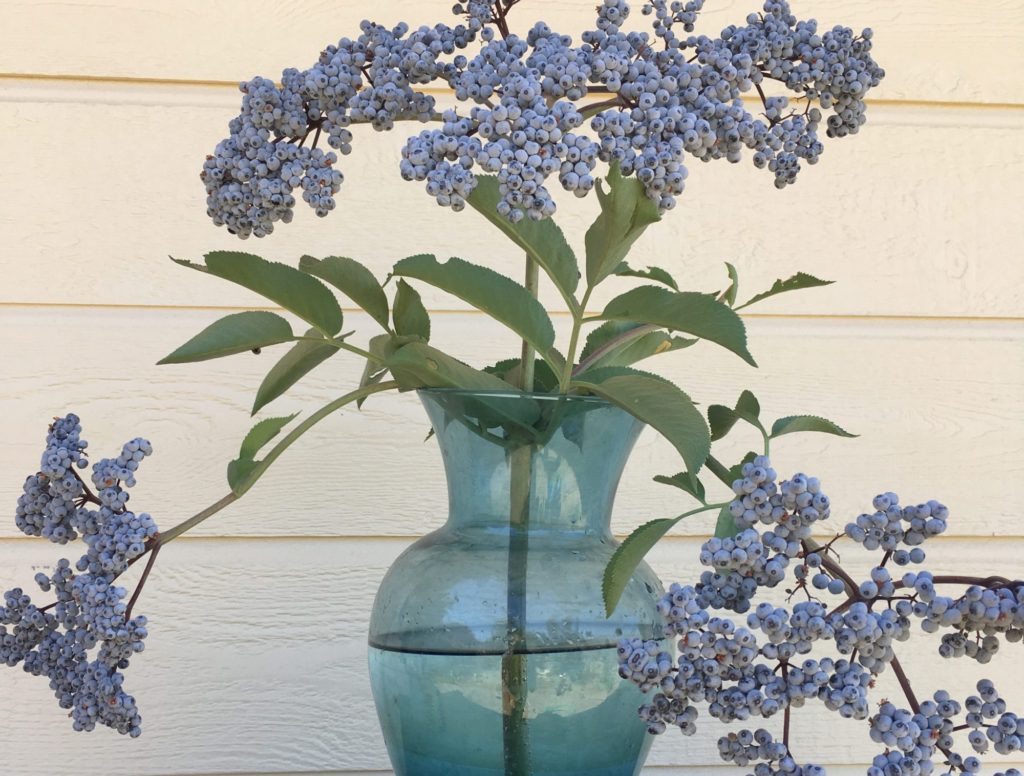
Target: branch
(908, 691)
(143, 578)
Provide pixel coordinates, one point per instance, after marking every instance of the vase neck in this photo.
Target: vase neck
(560, 456)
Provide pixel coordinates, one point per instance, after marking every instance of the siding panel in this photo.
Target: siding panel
(931, 49)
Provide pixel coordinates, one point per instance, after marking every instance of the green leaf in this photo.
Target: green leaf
(500, 297)
(748, 408)
(242, 468)
(658, 403)
(694, 313)
(417, 365)
(410, 315)
(262, 433)
(353, 280)
(726, 524)
(798, 281)
(646, 345)
(686, 482)
(729, 295)
(626, 211)
(656, 274)
(293, 366)
(605, 333)
(232, 334)
(542, 240)
(286, 286)
(796, 423)
(628, 556)
(721, 419)
(240, 474)
(544, 378)
(383, 347)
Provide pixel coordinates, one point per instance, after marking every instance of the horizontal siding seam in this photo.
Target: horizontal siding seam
(208, 83)
(556, 313)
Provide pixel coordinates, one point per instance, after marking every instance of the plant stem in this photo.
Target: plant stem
(196, 519)
(515, 731)
(341, 345)
(574, 339)
(275, 452)
(142, 579)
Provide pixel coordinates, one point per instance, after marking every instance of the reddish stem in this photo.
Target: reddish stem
(143, 578)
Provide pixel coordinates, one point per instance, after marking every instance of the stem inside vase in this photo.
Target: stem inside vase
(515, 728)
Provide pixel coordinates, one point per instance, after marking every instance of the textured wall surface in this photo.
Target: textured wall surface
(256, 662)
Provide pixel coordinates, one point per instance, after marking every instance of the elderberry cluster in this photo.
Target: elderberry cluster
(670, 96)
(973, 619)
(85, 639)
(762, 666)
(892, 525)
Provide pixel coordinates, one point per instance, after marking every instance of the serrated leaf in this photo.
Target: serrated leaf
(293, 366)
(241, 469)
(626, 211)
(382, 346)
(542, 240)
(726, 524)
(628, 556)
(686, 482)
(500, 297)
(410, 316)
(721, 419)
(729, 295)
(688, 311)
(285, 286)
(748, 408)
(605, 333)
(656, 274)
(236, 333)
(798, 281)
(795, 423)
(353, 280)
(262, 433)
(657, 402)
(632, 351)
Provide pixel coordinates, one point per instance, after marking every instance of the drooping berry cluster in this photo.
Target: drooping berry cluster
(763, 667)
(86, 638)
(670, 96)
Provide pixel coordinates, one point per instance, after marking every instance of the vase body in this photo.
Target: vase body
(490, 651)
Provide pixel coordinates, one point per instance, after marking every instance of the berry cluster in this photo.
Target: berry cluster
(84, 640)
(980, 610)
(763, 666)
(892, 525)
(670, 97)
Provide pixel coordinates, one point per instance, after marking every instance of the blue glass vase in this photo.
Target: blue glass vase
(490, 651)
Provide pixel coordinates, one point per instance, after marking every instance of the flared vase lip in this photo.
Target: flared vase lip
(511, 394)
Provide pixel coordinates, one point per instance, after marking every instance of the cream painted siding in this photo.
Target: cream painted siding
(256, 663)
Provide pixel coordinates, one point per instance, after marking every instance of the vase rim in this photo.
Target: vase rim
(537, 396)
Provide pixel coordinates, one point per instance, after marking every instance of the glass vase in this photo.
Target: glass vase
(490, 651)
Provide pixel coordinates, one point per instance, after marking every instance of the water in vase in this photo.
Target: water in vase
(431, 705)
